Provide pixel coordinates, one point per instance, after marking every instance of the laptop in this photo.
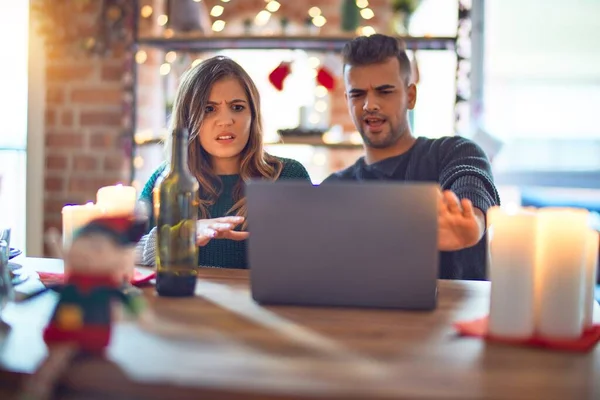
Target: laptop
(348, 244)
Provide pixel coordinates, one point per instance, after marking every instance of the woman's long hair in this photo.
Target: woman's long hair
(188, 112)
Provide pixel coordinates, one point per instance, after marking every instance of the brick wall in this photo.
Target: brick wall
(85, 96)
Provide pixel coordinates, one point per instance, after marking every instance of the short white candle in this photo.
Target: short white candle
(74, 217)
(591, 273)
(117, 200)
(512, 271)
(560, 272)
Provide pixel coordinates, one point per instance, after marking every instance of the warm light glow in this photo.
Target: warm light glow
(197, 1)
(170, 57)
(162, 20)
(138, 162)
(141, 56)
(321, 91)
(273, 6)
(319, 21)
(225, 1)
(196, 62)
(314, 12)
(313, 62)
(314, 73)
(169, 33)
(314, 119)
(367, 13)
(262, 18)
(362, 3)
(165, 69)
(218, 25)
(321, 106)
(217, 11)
(146, 11)
(366, 31)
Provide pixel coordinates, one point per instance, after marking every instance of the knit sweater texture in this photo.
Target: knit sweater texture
(224, 253)
(457, 164)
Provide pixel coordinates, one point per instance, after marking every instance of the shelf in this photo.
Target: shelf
(315, 43)
(297, 140)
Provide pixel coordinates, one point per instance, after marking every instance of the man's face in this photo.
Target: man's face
(378, 99)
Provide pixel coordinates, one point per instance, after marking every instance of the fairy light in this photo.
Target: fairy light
(170, 57)
(146, 11)
(138, 162)
(314, 119)
(321, 106)
(197, 1)
(218, 25)
(319, 21)
(321, 91)
(217, 11)
(367, 13)
(196, 62)
(141, 56)
(362, 3)
(225, 1)
(366, 31)
(273, 6)
(169, 33)
(165, 69)
(162, 20)
(262, 18)
(313, 62)
(314, 12)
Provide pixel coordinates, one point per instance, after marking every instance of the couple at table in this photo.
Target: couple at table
(218, 99)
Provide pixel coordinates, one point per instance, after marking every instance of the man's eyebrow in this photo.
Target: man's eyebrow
(385, 87)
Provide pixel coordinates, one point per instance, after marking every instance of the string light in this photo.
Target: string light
(313, 62)
(162, 20)
(262, 18)
(197, 1)
(367, 13)
(319, 21)
(217, 11)
(138, 162)
(170, 57)
(225, 1)
(365, 31)
(321, 106)
(321, 91)
(146, 11)
(314, 119)
(273, 6)
(165, 69)
(196, 62)
(141, 56)
(362, 3)
(314, 12)
(218, 25)
(169, 33)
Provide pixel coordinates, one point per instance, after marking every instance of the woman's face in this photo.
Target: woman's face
(225, 129)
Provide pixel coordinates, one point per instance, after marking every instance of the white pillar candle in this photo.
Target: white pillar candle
(512, 272)
(591, 271)
(117, 200)
(74, 217)
(560, 272)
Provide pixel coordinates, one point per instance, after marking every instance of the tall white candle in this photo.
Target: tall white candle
(116, 200)
(560, 272)
(74, 217)
(591, 271)
(512, 272)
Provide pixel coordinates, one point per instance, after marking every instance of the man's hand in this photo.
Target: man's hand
(460, 224)
(219, 228)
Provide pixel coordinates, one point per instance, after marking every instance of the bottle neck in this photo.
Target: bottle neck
(179, 151)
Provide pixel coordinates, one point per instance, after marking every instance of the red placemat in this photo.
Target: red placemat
(479, 328)
(139, 277)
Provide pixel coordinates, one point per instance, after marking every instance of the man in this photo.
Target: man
(379, 92)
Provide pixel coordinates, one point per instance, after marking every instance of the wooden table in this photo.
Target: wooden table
(222, 345)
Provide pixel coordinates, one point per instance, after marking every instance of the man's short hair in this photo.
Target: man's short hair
(375, 49)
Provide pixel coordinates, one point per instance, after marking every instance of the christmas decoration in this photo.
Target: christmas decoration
(278, 75)
(325, 78)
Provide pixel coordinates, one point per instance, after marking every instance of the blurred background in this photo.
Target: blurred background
(87, 87)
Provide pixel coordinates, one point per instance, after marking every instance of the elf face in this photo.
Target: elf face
(378, 99)
(225, 129)
(98, 254)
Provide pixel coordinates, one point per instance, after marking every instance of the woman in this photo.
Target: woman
(219, 104)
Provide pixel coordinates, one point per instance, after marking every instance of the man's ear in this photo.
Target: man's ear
(412, 96)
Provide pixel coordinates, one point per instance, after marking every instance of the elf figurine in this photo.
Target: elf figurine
(95, 264)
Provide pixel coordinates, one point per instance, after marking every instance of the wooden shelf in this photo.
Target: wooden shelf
(290, 140)
(200, 43)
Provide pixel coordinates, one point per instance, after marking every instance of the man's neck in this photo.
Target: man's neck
(373, 155)
(226, 166)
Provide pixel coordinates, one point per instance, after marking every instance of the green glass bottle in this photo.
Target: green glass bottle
(177, 253)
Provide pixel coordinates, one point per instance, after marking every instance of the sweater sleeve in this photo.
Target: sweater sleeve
(146, 195)
(465, 170)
